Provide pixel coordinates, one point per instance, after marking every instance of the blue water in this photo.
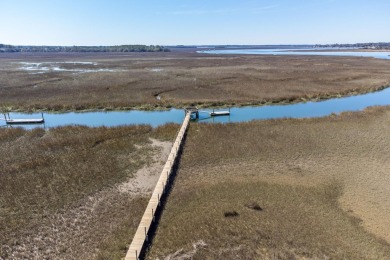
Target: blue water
(101, 118)
(304, 110)
(379, 55)
(238, 114)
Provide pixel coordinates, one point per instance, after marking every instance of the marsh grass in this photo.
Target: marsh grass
(185, 78)
(58, 162)
(302, 189)
(46, 173)
(297, 222)
(116, 244)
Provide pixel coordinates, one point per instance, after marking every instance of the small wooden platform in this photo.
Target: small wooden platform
(141, 236)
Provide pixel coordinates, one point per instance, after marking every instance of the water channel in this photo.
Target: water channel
(238, 114)
(309, 52)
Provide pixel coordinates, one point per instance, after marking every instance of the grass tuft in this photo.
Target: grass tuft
(229, 214)
(254, 206)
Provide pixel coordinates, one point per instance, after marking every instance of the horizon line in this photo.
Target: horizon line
(189, 45)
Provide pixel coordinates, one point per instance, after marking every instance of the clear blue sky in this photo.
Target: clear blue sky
(115, 22)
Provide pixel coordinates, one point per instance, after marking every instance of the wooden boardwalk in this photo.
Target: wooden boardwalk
(141, 236)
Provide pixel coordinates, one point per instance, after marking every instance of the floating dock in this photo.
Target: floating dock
(195, 111)
(220, 113)
(10, 121)
(24, 121)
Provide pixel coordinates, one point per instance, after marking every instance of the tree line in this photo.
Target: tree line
(369, 45)
(118, 48)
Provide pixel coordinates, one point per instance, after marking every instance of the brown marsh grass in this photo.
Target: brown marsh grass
(181, 79)
(320, 187)
(57, 190)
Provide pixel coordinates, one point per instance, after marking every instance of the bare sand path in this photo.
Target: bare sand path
(146, 178)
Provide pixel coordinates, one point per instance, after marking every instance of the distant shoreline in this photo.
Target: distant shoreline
(343, 50)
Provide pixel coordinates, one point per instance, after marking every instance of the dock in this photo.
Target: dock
(24, 121)
(220, 113)
(10, 121)
(195, 111)
(192, 111)
(141, 238)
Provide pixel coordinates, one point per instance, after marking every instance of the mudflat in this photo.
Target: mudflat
(282, 189)
(78, 81)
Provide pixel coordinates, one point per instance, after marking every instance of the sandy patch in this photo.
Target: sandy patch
(146, 178)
